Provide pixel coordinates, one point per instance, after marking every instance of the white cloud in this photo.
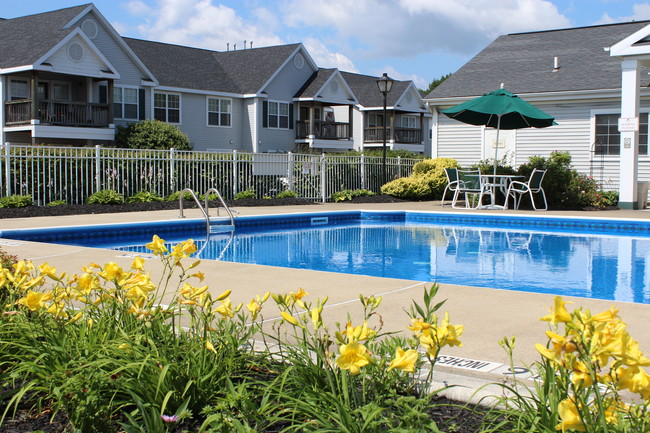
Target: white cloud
(403, 28)
(420, 82)
(200, 23)
(327, 59)
(640, 12)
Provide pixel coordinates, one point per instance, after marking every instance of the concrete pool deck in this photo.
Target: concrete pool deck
(487, 314)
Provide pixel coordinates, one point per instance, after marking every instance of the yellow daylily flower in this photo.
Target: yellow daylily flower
(112, 272)
(35, 301)
(225, 309)
(581, 377)
(210, 347)
(289, 318)
(558, 313)
(358, 333)
(298, 296)
(157, 245)
(606, 316)
(404, 360)
(569, 417)
(353, 356)
(254, 308)
(224, 295)
(138, 264)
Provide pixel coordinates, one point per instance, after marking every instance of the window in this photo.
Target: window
(167, 107)
(125, 103)
(61, 91)
(219, 112)
(408, 122)
(608, 138)
(278, 115)
(375, 120)
(19, 89)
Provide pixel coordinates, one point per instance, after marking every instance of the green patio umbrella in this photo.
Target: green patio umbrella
(501, 110)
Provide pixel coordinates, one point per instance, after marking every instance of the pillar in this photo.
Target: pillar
(629, 165)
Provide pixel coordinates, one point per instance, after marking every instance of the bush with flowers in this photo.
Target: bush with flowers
(114, 350)
(591, 378)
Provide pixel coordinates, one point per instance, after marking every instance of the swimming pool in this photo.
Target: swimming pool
(593, 258)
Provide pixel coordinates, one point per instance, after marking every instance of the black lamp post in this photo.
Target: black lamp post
(385, 84)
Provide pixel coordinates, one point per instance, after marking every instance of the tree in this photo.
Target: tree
(151, 134)
(435, 83)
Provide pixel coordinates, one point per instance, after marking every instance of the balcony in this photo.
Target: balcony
(323, 130)
(375, 134)
(57, 113)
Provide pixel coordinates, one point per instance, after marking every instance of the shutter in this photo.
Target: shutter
(103, 94)
(265, 114)
(291, 115)
(141, 104)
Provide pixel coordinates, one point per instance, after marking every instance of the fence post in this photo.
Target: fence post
(172, 177)
(363, 171)
(7, 169)
(399, 167)
(290, 167)
(323, 181)
(235, 175)
(98, 169)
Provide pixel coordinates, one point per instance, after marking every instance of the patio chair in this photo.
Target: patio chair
(469, 186)
(533, 186)
(452, 183)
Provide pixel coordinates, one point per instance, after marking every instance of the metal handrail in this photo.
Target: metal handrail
(223, 204)
(198, 202)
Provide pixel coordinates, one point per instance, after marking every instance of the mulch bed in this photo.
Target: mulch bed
(81, 209)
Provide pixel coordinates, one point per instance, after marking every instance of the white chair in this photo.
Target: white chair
(533, 186)
(469, 185)
(452, 183)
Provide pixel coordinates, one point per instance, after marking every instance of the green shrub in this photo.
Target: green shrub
(16, 201)
(7, 260)
(105, 196)
(144, 197)
(57, 203)
(349, 194)
(175, 196)
(249, 193)
(287, 194)
(151, 134)
(427, 182)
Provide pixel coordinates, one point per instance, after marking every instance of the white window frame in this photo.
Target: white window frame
(278, 115)
(375, 117)
(409, 119)
(167, 108)
(219, 112)
(616, 112)
(122, 103)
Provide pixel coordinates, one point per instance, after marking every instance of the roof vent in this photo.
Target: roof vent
(556, 64)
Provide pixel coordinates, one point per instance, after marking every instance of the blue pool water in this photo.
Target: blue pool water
(574, 257)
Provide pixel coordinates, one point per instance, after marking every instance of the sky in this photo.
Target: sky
(417, 40)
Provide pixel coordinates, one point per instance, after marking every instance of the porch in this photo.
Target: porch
(323, 130)
(57, 113)
(375, 134)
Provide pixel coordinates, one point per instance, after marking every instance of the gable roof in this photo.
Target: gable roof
(315, 83)
(524, 63)
(366, 90)
(242, 71)
(26, 39)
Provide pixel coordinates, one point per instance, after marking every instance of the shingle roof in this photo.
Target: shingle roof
(524, 62)
(365, 89)
(26, 39)
(315, 83)
(241, 71)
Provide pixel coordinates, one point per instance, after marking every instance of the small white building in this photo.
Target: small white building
(575, 75)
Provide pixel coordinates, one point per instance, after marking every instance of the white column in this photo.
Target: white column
(3, 98)
(629, 166)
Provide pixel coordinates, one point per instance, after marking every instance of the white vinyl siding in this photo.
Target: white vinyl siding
(167, 107)
(219, 111)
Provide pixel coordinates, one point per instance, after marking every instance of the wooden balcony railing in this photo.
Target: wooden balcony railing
(375, 134)
(78, 114)
(324, 130)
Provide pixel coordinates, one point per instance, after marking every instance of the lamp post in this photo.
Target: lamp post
(385, 84)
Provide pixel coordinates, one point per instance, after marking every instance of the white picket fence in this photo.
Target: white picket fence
(71, 174)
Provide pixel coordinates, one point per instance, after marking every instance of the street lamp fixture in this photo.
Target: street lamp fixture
(385, 84)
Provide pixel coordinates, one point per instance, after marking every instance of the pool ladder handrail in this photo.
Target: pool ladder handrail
(204, 208)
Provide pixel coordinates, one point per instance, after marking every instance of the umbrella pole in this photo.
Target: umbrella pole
(496, 144)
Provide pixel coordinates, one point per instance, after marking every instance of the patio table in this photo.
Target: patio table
(489, 185)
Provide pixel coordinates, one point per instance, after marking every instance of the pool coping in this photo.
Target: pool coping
(488, 314)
